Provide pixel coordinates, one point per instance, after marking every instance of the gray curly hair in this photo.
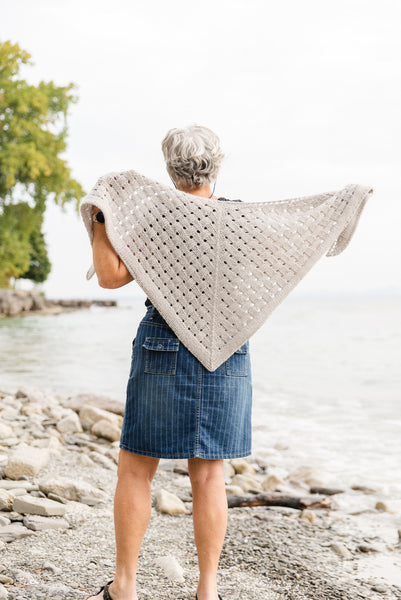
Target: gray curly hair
(193, 156)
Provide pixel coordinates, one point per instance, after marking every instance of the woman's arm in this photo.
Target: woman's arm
(110, 270)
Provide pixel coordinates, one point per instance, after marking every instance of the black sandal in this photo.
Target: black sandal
(220, 598)
(105, 590)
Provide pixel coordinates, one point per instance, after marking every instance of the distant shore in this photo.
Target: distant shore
(15, 303)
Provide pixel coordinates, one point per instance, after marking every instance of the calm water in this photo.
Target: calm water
(326, 378)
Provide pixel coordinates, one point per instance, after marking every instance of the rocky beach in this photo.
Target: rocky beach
(58, 457)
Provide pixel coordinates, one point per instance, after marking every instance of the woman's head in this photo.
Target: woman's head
(193, 156)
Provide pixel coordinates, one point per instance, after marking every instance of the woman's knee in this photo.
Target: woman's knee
(202, 471)
(136, 465)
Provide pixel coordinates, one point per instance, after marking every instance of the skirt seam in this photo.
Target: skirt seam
(206, 456)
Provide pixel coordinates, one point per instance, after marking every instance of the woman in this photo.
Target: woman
(177, 409)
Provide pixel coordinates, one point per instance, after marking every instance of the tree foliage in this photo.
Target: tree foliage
(33, 132)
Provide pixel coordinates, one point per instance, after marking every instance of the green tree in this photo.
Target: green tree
(33, 132)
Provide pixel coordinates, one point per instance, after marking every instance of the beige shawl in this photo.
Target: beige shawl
(216, 270)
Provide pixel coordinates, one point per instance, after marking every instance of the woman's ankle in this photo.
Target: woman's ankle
(207, 590)
(124, 583)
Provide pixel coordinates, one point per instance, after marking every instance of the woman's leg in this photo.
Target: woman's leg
(210, 520)
(132, 507)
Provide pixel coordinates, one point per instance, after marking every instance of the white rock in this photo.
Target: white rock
(181, 466)
(341, 550)
(102, 402)
(31, 408)
(169, 503)
(6, 499)
(172, 568)
(272, 482)
(56, 412)
(3, 592)
(242, 466)
(17, 491)
(26, 460)
(308, 515)
(4, 521)
(6, 484)
(70, 423)
(90, 415)
(71, 489)
(308, 475)
(38, 506)
(103, 428)
(247, 482)
(40, 523)
(5, 431)
(235, 490)
(12, 532)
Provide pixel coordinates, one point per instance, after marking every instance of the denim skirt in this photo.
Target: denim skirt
(175, 407)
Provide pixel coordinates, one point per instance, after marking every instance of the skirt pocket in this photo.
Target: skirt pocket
(238, 363)
(161, 355)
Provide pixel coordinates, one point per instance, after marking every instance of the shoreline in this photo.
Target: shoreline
(58, 492)
(18, 303)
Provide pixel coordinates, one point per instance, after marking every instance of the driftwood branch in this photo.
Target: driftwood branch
(279, 499)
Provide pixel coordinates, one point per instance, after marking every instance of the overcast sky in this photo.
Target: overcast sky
(305, 97)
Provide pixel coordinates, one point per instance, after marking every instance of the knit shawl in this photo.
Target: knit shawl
(216, 270)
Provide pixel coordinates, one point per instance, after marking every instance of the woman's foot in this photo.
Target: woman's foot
(116, 592)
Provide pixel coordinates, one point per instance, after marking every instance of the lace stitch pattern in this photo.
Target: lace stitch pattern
(216, 270)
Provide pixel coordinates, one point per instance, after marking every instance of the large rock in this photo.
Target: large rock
(169, 503)
(26, 460)
(71, 489)
(242, 466)
(90, 415)
(31, 505)
(70, 423)
(5, 431)
(110, 431)
(40, 523)
(272, 482)
(247, 482)
(102, 402)
(12, 532)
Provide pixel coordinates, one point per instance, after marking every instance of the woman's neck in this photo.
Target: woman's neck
(203, 191)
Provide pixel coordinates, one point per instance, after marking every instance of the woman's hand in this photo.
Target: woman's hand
(110, 270)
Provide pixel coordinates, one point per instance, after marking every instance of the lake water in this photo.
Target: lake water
(326, 378)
